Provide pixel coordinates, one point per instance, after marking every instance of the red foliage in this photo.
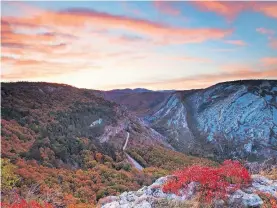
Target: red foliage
(24, 204)
(273, 202)
(98, 157)
(214, 183)
(15, 138)
(269, 201)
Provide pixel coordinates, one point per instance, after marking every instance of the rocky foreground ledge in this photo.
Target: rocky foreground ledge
(152, 196)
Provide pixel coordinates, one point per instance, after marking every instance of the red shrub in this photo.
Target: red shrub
(214, 183)
(24, 204)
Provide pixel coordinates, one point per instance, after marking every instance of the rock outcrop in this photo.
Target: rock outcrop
(228, 120)
(147, 196)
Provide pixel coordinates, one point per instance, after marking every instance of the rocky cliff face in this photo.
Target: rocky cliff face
(234, 119)
(152, 196)
(239, 119)
(171, 120)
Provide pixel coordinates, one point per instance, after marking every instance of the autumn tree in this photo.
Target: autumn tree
(8, 177)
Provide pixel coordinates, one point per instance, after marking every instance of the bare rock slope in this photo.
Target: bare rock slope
(152, 196)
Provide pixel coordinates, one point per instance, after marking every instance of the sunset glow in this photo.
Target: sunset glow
(155, 45)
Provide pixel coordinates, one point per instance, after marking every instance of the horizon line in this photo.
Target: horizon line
(70, 85)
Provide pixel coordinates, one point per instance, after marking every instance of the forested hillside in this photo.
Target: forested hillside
(63, 146)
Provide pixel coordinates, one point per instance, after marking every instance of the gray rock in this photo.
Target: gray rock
(272, 190)
(113, 204)
(144, 204)
(148, 195)
(264, 185)
(247, 200)
(249, 190)
(261, 180)
(142, 189)
(162, 180)
(123, 198)
(191, 189)
(219, 203)
(130, 197)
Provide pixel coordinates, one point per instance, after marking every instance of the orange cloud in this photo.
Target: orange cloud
(159, 32)
(10, 38)
(11, 51)
(29, 68)
(269, 61)
(21, 62)
(166, 8)
(5, 27)
(45, 43)
(236, 68)
(269, 9)
(236, 42)
(6, 59)
(67, 47)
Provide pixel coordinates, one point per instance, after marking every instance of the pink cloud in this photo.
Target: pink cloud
(159, 32)
(236, 42)
(269, 61)
(265, 31)
(62, 46)
(226, 9)
(204, 80)
(267, 8)
(31, 68)
(269, 33)
(231, 9)
(166, 8)
(236, 68)
(273, 43)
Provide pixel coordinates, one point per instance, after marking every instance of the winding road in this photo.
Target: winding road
(132, 160)
(126, 141)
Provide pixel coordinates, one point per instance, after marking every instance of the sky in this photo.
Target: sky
(130, 44)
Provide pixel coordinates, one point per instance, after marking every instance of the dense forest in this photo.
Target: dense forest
(51, 155)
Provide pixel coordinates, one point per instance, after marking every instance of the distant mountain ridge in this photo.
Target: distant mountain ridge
(226, 120)
(235, 119)
(128, 90)
(136, 90)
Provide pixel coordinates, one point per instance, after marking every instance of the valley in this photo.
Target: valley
(72, 147)
(138, 104)
(232, 119)
(67, 144)
(132, 161)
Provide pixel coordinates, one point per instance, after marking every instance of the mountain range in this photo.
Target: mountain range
(122, 139)
(228, 120)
